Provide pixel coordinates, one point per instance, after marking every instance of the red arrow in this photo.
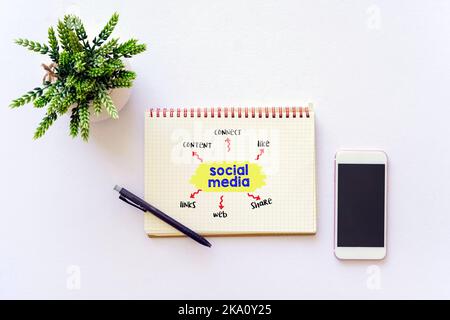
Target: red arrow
(195, 193)
(221, 206)
(261, 151)
(228, 141)
(252, 196)
(195, 154)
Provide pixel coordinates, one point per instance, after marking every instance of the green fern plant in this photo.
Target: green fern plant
(81, 74)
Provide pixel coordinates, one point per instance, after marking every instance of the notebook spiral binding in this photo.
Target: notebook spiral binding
(231, 112)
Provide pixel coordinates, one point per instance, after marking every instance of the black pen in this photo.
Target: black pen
(137, 202)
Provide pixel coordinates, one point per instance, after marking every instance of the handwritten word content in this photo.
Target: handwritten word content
(195, 144)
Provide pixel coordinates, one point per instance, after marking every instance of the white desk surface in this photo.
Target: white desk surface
(378, 73)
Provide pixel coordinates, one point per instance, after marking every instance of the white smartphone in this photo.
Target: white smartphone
(360, 205)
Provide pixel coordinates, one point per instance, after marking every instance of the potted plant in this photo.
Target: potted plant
(81, 75)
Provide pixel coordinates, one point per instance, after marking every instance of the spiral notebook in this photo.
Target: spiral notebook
(231, 171)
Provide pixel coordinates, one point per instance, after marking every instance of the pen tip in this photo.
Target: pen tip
(117, 188)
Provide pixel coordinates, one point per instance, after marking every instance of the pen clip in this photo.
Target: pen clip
(131, 203)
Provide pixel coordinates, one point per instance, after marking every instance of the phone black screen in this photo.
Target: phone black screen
(360, 205)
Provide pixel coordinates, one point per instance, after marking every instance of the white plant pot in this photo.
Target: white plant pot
(119, 96)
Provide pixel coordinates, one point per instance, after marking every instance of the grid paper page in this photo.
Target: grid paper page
(177, 148)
